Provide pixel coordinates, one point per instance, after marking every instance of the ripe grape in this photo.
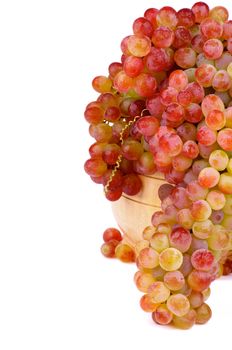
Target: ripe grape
(213, 49)
(159, 292)
(199, 280)
(112, 233)
(178, 304)
(174, 280)
(202, 260)
(108, 248)
(186, 321)
(124, 253)
(167, 16)
(180, 238)
(201, 11)
(162, 315)
(149, 258)
(170, 259)
(203, 314)
(131, 184)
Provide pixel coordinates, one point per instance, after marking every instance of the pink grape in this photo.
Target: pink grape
(142, 26)
(162, 315)
(162, 37)
(202, 260)
(180, 239)
(201, 11)
(213, 49)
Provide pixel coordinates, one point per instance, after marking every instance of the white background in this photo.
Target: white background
(56, 290)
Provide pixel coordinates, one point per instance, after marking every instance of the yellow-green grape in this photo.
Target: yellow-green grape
(216, 199)
(186, 321)
(219, 238)
(219, 159)
(178, 304)
(159, 292)
(170, 259)
(204, 313)
(202, 229)
(159, 242)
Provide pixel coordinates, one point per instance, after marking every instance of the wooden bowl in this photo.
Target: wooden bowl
(133, 213)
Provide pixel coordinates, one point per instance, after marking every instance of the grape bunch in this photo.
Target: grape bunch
(181, 254)
(167, 107)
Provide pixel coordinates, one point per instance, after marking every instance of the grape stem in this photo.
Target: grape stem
(119, 160)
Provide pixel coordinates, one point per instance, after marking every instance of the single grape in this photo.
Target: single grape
(158, 292)
(143, 281)
(208, 177)
(213, 49)
(149, 258)
(199, 280)
(147, 303)
(112, 233)
(186, 321)
(102, 84)
(174, 280)
(202, 260)
(162, 315)
(167, 16)
(139, 46)
(196, 299)
(200, 210)
(224, 139)
(142, 26)
(201, 11)
(178, 304)
(124, 253)
(170, 259)
(180, 238)
(204, 313)
(108, 248)
(202, 229)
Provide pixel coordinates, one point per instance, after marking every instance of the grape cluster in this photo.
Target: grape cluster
(181, 254)
(167, 107)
